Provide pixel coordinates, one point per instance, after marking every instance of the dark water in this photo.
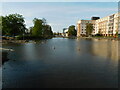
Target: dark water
(62, 63)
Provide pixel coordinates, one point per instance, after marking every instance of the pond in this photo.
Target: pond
(62, 63)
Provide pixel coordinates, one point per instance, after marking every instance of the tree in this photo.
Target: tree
(89, 29)
(37, 29)
(47, 31)
(6, 29)
(72, 31)
(13, 25)
(30, 30)
(44, 21)
(41, 29)
(0, 25)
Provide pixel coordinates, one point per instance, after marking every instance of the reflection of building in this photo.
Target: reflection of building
(107, 26)
(106, 49)
(119, 18)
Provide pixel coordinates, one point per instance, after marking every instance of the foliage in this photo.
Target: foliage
(0, 25)
(89, 28)
(72, 31)
(41, 29)
(13, 25)
(30, 30)
(47, 31)
(37, 29)
(98, 34)
(57, 33)
(116, 33)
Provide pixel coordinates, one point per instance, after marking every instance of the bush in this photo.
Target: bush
(98, 35)
(29, 37)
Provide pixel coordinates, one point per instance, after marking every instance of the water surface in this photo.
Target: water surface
(62, 63)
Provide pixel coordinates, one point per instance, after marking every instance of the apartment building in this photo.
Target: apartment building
(107, 26)
(102, 26)
(81, 30)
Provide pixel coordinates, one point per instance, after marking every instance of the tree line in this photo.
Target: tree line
(14, 25)
(72, 32)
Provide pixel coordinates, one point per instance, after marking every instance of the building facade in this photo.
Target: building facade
(81, 30)
(107, 26)
(65, 32)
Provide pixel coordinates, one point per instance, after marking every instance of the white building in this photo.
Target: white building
(65, 33)
(107, 26)
(81, 30)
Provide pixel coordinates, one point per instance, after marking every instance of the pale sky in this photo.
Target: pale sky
(59, 14)
(59, 0)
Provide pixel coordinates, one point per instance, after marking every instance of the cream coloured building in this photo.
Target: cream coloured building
(81, 26)
(107, 26)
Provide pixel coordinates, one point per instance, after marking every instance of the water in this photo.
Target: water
(62, 63)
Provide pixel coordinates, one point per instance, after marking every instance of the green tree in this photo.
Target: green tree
(44, 21)
(37, 28)
(72, 31)
(89, 28)
(13, 24)
(41, 28)
(6, 29)
(0, 25)
(47, 31)
(116, 33)
(30, 30)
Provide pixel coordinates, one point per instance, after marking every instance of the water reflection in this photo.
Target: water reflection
(4, 57)
(84, 46)
(73, 63)
(106, 49)
(102, 48)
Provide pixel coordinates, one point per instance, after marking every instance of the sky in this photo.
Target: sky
(59, 14)
(59, 0)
